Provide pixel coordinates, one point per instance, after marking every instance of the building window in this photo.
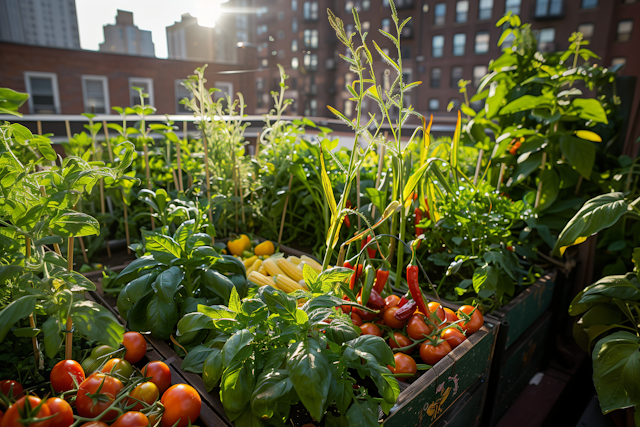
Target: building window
(348, 108)
(95, 92)
(439, 12)
(280, 35)
(311, 108)
(260, 84)
(366, 4)
(294, 45)
(437, 46)
(280, 16)
(261, 29)
(294, 63)
(459, 41)
(546, 36)
(548, 8)
(586, 30)
(182, 93)
(43, 92)
(147, 87)
(294, 25)
(311, 62)
(618, 61)
(434, 104)
(456, 76)
(386, 25)
(330, 64)
(312, 88)
(462, 10)
(482, 42)
(624, 30)
(589, 4)
(512, 6)
(436, 76)
(310, 11)
(311, 39)
(294, 5)
(405, 52)
(485, 10)
(479, 71)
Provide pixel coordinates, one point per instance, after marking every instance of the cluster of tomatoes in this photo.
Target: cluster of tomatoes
(434, 334)
(114, 392)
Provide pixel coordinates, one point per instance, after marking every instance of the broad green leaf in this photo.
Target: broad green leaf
(590, 109)
(236, 387)
(549, 190)
(212, 369)
(131, 270)
(15, 311)
(20, 133)
(234, 345)
(310, 375)
(53, 336)
(496, 98)
(581, 154)
(184, 231)
(218, 283)
(75, 224)
(363, 414)
(11, 100)
(272, 385)
(44, 146)
(194, 361)
(26, 332)
(524, 169)
(597, 214)
(485, 281)
(167, 283)
(376, 346)
(616, 286)
(163, 248)
(524, 103)
(8, 272)
(616, 371)
(195, 321)
(97, 323)
(134, 291)
(162, 317)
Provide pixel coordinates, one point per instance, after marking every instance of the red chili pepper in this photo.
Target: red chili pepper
(371, 250)
(355, 277)
(414, 286)
(403, 300)
(514, 148)
(381, 279)
(376, 302)
(404, 312)
(416, 221)
(347, 222)
(347, 264)
(510, 248)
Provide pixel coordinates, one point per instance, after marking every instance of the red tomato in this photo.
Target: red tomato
(146, 392)
(390, 318)
(453, 336)
(450, 315)
(136, 346)
(391, 301)
(436, 308)
(11, 386)
(404, 365)
(356, 319)
(181, 403)
(132, 419)
(476, 321)
(417, 328)
(403, 341)
(364, 315)
(433, 354)
(63, 375)
(62, 411)
(13, 415)
(95, 424)
(159, 374)
(89, 407)
(370, 329)
(1, 415)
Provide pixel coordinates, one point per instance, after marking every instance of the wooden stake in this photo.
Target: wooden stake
(34, 340)
(56, 246)
(358, 197)
(39, 127)
(539, 192)
(502, 166)
(69, 333)
(108, 140)
(148, 174)
(66, 124)
(284, 210)
(478, 164)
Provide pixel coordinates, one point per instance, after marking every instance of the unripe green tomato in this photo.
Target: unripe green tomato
(89, 365)
(118, 367)
(101, 351)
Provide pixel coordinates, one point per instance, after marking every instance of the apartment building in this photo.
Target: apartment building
(445, 41)
(125, 37)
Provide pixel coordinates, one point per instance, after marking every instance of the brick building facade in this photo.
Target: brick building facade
(63, 81)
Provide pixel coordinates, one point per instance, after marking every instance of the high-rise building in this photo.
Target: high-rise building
(125, 37)
(40, 22)
(445, 41)
(187, 40)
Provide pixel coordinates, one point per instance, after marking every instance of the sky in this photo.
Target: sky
(152, 15)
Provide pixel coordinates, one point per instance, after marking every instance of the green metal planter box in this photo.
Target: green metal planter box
(467, 411)
(431, 396)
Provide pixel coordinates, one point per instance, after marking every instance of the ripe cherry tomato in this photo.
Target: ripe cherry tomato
(356, 319)
(136, 346)
(417, 328)
(433, 354)
(95, 424)
(391, 301)
(370, 329)
(118, 367)
(403, 341)
(13, 416)
(146, 392)
(132, 419)
(404, 365)
(63, 374)
(181, 403)
(159, 374)
(390, 319)
(89, 407)
(453, 336)
(450, 315)
(436, 308)
(476, 321)
(11, 386)
(346, 309)
(62, 411)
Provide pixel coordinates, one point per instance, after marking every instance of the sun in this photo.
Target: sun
(207, 12)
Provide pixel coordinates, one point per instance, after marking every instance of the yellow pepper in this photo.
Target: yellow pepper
(265, 248)
(249, 261)
(239, 245)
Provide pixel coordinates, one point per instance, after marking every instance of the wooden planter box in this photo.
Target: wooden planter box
(432, 395)
(513, 369)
